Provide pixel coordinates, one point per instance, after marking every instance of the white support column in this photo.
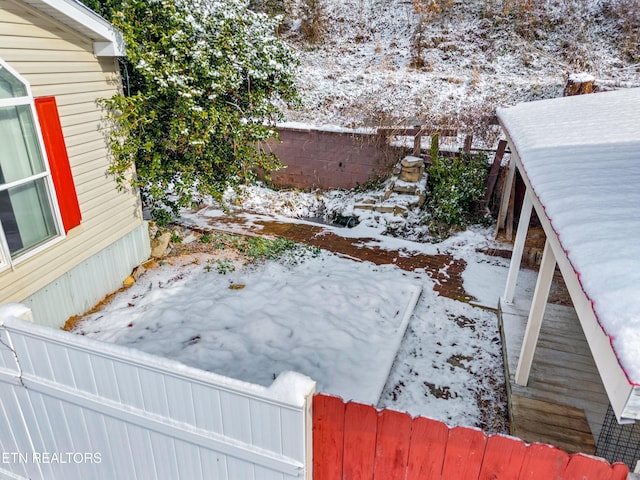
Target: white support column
(518, 248)
(506, 193)
(536, 314)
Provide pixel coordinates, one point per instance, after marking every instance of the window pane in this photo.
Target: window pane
(27, 219)
(10, 86)
(20, 155)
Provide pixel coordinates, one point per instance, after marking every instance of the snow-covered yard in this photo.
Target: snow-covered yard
(338, 321)
(377, 334)
(254, 322)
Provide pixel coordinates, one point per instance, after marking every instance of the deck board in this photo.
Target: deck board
(564, 402)
(563, 426)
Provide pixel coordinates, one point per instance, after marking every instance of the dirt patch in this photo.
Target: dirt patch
(440, 392)
(444, 269)
(459, 361)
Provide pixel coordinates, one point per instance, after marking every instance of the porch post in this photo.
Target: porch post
(506, 192)
(518, 248)
(534, 322)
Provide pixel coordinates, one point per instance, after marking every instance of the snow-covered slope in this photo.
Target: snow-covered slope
(476, 55)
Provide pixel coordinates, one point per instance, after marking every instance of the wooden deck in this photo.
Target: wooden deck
(564, 402)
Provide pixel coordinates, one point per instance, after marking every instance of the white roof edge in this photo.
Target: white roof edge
(108, 41)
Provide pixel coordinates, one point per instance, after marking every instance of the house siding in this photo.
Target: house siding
(57, 61)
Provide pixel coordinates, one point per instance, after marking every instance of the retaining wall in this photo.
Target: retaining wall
(327, 159)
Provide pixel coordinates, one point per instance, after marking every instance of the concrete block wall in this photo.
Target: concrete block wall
(325, 159)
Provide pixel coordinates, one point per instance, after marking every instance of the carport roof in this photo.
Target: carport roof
(581, 156)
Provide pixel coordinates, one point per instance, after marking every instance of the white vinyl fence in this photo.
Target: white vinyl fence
(75, 408)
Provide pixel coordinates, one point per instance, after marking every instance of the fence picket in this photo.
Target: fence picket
(179, 400)
(503, 458)
(328, 433)
(492, 178)
(116, 439)
(235, 410)
(543, 461)
(360, 434)
(265, 426)
(581, 467)
(428, 445)
(464, 453)
(357, 442)
(620, 471)
(392, 450)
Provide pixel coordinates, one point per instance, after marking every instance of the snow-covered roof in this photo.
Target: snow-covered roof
(108, 41)
(581, 155)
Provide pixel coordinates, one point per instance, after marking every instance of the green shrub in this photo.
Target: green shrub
(204, 83)
(263, 248)
(456, 185)
(256, 249)
(222, 267)
(270, 7)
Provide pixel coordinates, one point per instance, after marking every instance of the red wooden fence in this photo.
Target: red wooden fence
(357, 442)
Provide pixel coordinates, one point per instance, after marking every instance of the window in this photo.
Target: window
(29, 214)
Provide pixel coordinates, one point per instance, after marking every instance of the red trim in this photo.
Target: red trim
(58, 161)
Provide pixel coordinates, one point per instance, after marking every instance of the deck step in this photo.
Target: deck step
(564, 426)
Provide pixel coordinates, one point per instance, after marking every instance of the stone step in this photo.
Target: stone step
(397, 203)
(413, 188)
(410, 201)
(405, 190)
(411, 162)
(385, 207)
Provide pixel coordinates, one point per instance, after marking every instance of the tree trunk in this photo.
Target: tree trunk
(579, 84)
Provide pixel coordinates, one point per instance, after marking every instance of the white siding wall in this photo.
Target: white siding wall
(59, 62)
(84, 285)
(145, 416)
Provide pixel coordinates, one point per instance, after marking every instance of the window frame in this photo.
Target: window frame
(6, 261)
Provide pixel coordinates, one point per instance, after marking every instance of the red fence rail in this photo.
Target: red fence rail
(352, 441)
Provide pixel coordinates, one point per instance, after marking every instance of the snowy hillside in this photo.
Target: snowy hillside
(370, 68)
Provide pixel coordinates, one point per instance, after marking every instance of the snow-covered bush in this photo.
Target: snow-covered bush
(270, 7)
(204, 80)
(456, 185)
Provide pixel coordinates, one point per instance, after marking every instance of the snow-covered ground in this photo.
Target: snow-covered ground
(336, 319)
(250, 323)
(476, 55)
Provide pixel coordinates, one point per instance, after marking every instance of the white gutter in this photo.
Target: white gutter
(107, 40)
